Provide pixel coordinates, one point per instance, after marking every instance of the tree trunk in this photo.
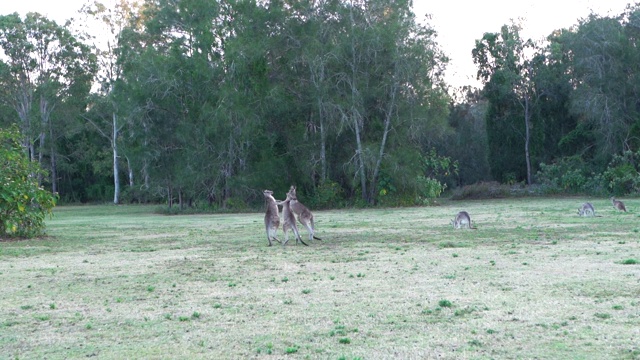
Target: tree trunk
(54, 170)
(356, 117)
(323, 145)
(145, 174)
(46, 108)
(41, 139)
(22, 106)
(114, 146)
(360, 158)
(387, 127)
(527, 137)
(129, 171)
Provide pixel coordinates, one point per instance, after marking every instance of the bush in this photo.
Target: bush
(622, 176)
(432, 181)
(138, 195)
(570, 175)
(428, 189)
(482, 190)
(573, 175)
(23, 203)
(329, 195)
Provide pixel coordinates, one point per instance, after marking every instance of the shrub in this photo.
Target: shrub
(23, 203)
(328, 195)
(428, 189)
(570, 175)
(437, 169)
(622, 176)
(482, 190)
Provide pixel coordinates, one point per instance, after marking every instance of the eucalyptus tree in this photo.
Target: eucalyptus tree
(237, 93)
(109, 21)
(562, 134)
(605, 67)
(506, 65)
(312, 29)
(171, 72)
(392, 71)
(467, 142)
(47, 66)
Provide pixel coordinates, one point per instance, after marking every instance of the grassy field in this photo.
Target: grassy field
(533, 281)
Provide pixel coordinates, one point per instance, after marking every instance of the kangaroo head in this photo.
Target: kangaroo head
(292, 193)
(290, 196)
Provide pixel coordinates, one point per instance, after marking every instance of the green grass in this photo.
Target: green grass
(534, 281)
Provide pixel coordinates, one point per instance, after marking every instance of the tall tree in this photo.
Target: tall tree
(390, 62)
(604, 66)
(467, 142)
(506, 67)
(47, 65)
(108, 123)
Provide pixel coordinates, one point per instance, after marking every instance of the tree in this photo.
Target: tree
(604, 67)
(467, 142)
(47, 68)
(23, 203)
(391, 77)
(107, 121)
(506, 65)
(234, 96)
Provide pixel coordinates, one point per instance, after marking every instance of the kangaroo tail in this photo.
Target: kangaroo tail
(317, 238)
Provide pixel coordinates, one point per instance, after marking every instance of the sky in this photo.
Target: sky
(458, 22)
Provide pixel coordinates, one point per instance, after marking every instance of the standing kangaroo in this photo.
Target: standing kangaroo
(289, 221)
(304, 215)
(462, 220)
(618, 205)
(271, 217)
(586, 210)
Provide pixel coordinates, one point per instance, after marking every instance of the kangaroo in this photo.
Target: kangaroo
(586, 210)
(618, 205)
(304, 215)
(271, 217)
(289, 221)
(462, 220)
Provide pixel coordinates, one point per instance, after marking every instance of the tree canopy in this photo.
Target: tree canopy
(207, 103)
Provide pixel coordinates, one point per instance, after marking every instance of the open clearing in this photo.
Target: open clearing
(534, 281)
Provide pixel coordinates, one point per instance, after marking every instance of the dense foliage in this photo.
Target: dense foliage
(205, 103)
(23, 203)
(569, 105)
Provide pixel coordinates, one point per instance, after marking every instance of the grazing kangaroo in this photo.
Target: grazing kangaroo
(304, 215)
(586, 210)
(271, 217)
(462, 220)
(618, 205)
(289, 221)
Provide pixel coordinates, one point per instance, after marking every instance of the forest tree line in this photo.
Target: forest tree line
(207, 103)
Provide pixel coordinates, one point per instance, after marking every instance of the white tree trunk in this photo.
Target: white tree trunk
(114, 146)
(130, 172)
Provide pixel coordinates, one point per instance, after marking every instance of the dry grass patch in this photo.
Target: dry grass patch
(534, 281)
